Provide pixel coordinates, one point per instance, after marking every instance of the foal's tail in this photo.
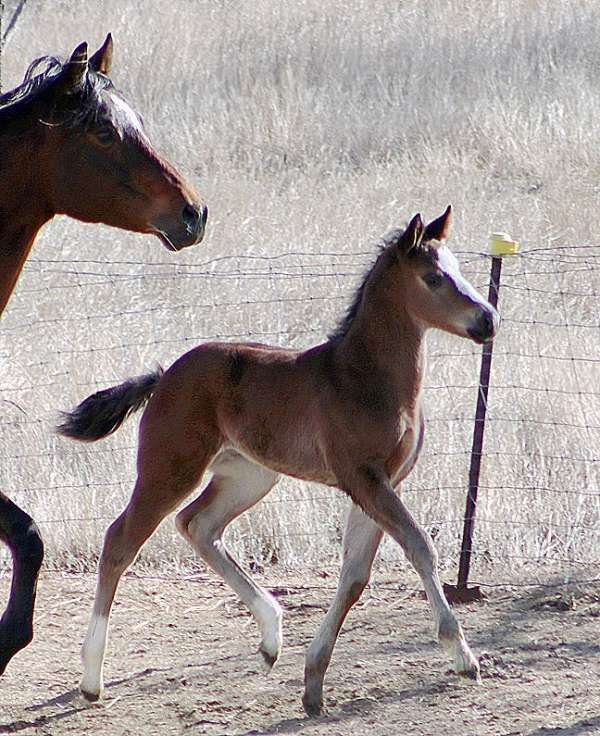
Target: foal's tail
(103, 413)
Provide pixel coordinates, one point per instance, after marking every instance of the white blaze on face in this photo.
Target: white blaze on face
(448, 264)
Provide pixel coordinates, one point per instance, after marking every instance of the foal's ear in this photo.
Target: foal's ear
(438, 229)
(412, 236)
(101, 61)
(74, 71)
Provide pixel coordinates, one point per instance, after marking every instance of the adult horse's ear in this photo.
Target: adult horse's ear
(412, 235)
(438, 229)
(74, 71)
(101, 61)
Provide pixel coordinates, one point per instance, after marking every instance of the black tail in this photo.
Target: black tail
(103, 413)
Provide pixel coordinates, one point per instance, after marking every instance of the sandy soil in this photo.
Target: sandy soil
(182, 660)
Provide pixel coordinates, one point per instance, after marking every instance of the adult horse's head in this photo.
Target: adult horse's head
(93, 158)
(433, 290)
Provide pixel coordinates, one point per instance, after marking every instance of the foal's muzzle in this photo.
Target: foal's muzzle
(485, 325)
(188, 228)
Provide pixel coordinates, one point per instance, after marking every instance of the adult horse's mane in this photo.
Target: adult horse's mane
(39, 76)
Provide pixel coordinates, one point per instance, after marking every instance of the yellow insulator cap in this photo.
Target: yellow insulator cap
(501, 244)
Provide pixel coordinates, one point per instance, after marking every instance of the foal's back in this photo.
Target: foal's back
(265, 401)
(296, 412)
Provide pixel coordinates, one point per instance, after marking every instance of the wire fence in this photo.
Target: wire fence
(76, 325)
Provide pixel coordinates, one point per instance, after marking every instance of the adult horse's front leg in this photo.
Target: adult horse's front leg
(370, 488)
(361, 540)
(20, 533)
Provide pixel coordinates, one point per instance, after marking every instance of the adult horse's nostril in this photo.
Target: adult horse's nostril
(203, 215)
(191, 217)
(195, 217)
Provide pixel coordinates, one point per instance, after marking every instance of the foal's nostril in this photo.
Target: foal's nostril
(487, 323)
(484, 325)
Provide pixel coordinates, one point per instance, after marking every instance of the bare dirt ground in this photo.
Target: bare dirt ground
(181, 661)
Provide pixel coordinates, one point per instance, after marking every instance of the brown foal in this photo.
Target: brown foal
(346, 413)
(71, 144)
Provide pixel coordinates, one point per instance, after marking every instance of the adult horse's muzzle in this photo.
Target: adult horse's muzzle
(485, 325)
(183, 231)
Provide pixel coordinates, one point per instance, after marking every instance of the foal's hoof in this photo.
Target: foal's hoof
(267, 660)
(90, 691)
(312, 707)
(466, 664)
(471, 674)
(89, 697)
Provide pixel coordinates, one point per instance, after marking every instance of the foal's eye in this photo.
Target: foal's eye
(433, 280)
(106, 135)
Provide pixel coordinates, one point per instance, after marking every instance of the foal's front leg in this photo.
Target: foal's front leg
(361, 540)
(370, 488)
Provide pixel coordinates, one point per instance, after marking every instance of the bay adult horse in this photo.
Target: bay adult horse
(346, 413)
(71, 144)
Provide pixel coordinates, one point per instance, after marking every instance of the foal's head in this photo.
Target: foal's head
(93, 159)
(428, 283)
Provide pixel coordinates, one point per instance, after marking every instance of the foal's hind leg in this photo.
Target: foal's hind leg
(361, 540)
(155, 495)
(236, 486)
(372, 490)
(122, 542)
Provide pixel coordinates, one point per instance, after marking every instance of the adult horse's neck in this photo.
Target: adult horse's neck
(385, 346)
(23, 210)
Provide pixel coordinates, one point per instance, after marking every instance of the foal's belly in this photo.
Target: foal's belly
(298, 457)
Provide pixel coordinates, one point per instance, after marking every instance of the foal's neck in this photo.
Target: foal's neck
(22, 208)
(388, 347)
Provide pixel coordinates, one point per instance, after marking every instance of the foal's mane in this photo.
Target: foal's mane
(384, 246)
(40, 75)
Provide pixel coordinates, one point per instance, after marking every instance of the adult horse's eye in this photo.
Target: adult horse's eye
(433, 280)
(106, 135)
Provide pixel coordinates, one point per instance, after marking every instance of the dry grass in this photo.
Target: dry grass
(311, 129)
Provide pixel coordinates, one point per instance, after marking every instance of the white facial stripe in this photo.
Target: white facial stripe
(448, 264)
(126, 115)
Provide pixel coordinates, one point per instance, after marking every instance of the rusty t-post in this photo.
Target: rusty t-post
(500, 244)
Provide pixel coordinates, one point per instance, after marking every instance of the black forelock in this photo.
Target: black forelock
(425, 253)
(40, 75)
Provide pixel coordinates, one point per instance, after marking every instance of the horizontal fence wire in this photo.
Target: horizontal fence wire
(74, 326)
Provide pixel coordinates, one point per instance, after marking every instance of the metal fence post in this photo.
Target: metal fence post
(10, 26)
(500, 244)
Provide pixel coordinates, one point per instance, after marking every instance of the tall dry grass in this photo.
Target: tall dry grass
(311, 128)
